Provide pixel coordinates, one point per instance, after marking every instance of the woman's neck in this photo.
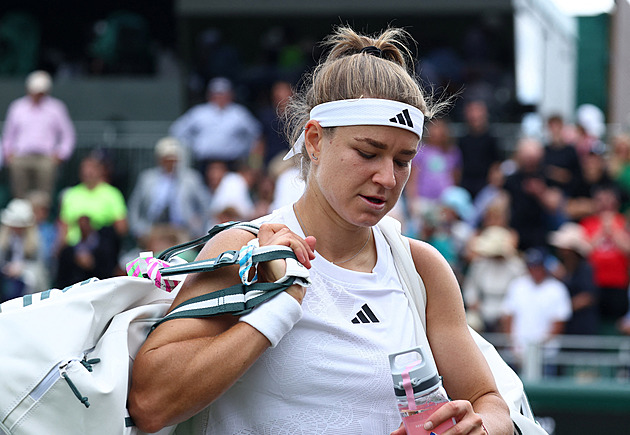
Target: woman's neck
(338, 241)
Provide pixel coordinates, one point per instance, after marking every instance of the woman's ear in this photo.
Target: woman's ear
(313, 137)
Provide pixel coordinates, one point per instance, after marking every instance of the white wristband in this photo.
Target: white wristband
(275, 317)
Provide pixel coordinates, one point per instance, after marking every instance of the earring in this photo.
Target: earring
(313, 156)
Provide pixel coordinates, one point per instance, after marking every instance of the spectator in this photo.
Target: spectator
(38, 134)
(449, 229)
(576, 273)
(480, 151)
(436, 167)
(160, 237)
(94, 255)
(561, 164)
(619, 165)
(289, 185)
(262, 191)
(95, 199)
(494, 265)
(271, 118)
(535, 208)
(46, 227)
(219, 129)
(590, 126)
(536, 306)
(490, 194)
(595, 177)
(607, 232)
(230, 193)
(438, 163)
(169, 193)
(496, 213)
(21, 268)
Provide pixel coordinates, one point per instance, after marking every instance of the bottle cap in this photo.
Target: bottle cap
(421, 371)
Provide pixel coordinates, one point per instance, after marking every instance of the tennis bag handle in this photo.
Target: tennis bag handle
(241, 298)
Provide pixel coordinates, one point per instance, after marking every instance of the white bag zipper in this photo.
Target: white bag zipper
(46, 383)
(59, 371)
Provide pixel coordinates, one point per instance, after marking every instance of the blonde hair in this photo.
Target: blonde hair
(347, 72)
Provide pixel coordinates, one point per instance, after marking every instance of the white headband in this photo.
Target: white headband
(364, 111)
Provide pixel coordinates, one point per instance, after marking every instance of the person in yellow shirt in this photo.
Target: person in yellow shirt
(93, 197)
(96, 201)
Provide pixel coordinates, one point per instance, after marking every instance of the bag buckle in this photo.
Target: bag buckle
(227, 257)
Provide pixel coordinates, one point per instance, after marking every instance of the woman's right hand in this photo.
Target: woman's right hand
(304, 249)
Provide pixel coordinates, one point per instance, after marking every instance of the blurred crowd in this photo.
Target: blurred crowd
(218, 162)
(537, 233)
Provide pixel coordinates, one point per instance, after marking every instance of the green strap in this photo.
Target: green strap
(171, 252)
(238, 300)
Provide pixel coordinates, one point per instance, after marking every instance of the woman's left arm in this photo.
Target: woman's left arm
(477, 406)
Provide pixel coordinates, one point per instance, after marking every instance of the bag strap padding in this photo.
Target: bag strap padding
(238, 299)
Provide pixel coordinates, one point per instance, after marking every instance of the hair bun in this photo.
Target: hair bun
(373, 50)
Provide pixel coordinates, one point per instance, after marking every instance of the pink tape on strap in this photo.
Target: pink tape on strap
(152, 266)
(411, 401)
(133, 268)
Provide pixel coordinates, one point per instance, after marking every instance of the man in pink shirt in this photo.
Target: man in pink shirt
(38, 134)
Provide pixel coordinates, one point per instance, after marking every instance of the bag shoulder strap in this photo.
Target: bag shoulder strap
(401, 251)
(171, 252)
(241, 298)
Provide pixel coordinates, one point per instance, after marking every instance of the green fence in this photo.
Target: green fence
(574, 408)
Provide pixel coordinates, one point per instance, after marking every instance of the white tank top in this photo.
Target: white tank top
(330, 374)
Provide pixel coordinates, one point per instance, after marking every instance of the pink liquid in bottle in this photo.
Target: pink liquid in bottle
(419, 391)
(414, 420)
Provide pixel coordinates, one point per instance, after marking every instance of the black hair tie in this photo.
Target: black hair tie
(374, 51)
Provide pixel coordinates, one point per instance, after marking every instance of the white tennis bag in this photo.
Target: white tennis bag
(61, 386)
(66, 355)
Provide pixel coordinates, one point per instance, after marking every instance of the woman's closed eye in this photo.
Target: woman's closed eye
(403, 163)
(366, 156)
(399, 163)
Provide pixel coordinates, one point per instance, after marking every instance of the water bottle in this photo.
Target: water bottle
(419, 390)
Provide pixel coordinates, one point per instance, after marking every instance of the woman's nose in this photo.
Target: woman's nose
(385, 175)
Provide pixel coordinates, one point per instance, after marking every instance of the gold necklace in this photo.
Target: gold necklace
(297, 215)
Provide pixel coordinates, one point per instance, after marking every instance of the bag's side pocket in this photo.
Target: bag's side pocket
(62, 385)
